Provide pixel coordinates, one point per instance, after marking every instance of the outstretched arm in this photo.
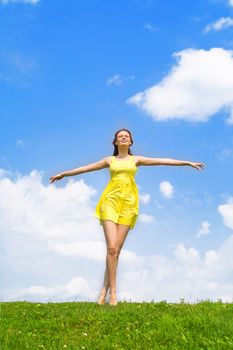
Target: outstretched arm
(83, 169)
(168, 161)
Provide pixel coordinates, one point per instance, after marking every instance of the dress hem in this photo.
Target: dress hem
(116, 221)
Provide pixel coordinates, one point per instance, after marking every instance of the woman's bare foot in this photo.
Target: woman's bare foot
(112, 298)
(102, 297)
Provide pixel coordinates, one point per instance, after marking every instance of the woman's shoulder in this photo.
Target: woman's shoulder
(137, 159)
(108, 159)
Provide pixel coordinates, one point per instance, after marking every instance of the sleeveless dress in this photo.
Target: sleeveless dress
(119, 201)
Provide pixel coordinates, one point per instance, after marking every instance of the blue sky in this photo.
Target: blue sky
(71, 74)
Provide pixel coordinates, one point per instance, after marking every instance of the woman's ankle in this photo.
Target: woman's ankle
(104, 291)
(112, 298)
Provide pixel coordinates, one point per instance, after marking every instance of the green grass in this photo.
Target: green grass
(203, 326)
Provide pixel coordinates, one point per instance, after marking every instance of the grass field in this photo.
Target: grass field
(84, 325)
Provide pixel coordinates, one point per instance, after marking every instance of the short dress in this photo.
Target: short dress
(119, 201)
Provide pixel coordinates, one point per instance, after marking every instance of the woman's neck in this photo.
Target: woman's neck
(122, 154)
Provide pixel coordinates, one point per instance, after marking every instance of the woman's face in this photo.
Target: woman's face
(123, 138)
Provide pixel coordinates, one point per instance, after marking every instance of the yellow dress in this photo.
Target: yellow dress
(119, 201)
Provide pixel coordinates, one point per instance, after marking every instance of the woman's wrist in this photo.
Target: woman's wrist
(189, 163)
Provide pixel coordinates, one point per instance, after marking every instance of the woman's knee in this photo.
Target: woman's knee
(113, 250)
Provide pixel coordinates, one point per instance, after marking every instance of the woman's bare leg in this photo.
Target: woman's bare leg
(105, 287)
(110, 232)
(122, 231)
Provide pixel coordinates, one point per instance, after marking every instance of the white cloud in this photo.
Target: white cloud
(77, 288)
(5, 173)
(32, 2)
(21, 143)
(226, 210)
(93, 250)
(115, 80)
(186, 254)
(34, 216)
(45, 211)
(221, 23)
(204, 229)
(166, 189)
(231, 2)
(118, 79)
(187, 275)
(145, 198)
(195, 89)
(144, 218)
(150, 27)
(210, 257)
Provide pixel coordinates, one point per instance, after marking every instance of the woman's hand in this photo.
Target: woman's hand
(197, 166)
(56, 178)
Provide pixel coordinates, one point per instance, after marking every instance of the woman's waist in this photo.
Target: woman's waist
(123, 178)
(124, 184)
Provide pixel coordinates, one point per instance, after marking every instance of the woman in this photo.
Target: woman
(117, 208)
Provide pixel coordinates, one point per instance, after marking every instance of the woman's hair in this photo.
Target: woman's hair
(115, 152)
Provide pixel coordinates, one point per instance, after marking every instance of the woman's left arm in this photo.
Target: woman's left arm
(168, 161)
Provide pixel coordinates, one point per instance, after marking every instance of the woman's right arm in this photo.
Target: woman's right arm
(103, 163)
